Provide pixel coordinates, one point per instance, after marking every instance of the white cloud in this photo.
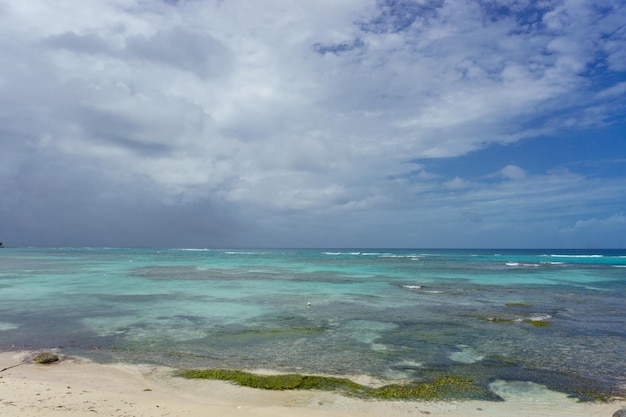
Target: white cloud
(616, 221)
(457, 183)
(616, 90)
(513, 172)
(604, 232)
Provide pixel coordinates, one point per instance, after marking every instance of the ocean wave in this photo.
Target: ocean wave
(523, 265)
(421, 289)
(466, 355)
(533, 317)
(391, 255)
(540, 317)
(575, 256)
(243, 253)
(8, 326)
(412, 287)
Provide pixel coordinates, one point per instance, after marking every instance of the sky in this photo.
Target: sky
(327, 123)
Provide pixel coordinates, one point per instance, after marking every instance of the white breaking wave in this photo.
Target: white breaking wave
(466, 355)
(8, 326)
(516, 264)
(243, 253)
(341, 253)
(540, 317)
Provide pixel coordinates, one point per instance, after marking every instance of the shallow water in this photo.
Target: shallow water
(549, 317)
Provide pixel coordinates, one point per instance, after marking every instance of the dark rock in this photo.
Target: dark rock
(620, 413)
(45, 358)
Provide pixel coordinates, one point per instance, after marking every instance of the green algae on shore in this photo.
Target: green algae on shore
(442, 388)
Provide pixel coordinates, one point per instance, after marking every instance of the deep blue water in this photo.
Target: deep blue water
(554, 317)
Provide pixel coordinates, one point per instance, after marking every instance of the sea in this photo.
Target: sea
(544, 316)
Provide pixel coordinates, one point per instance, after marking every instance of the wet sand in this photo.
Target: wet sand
(73, 387)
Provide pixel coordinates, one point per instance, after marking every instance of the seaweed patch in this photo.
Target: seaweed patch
(441, 388)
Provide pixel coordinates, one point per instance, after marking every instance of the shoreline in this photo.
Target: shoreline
(78, 387)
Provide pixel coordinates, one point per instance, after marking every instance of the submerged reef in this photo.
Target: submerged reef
(441, 388)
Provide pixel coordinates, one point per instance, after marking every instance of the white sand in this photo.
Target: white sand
(78, 388)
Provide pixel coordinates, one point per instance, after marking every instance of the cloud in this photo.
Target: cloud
(599, 232)
(198, 53)
(472, 217)
(615, 221)
(178, 48)
(458, 183)
(88, 44)
(269, 115)
(513, 172)
(616, 90)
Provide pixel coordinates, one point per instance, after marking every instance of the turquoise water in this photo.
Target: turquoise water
(554, 317)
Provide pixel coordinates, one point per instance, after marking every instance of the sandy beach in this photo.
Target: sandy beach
(76, 387)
